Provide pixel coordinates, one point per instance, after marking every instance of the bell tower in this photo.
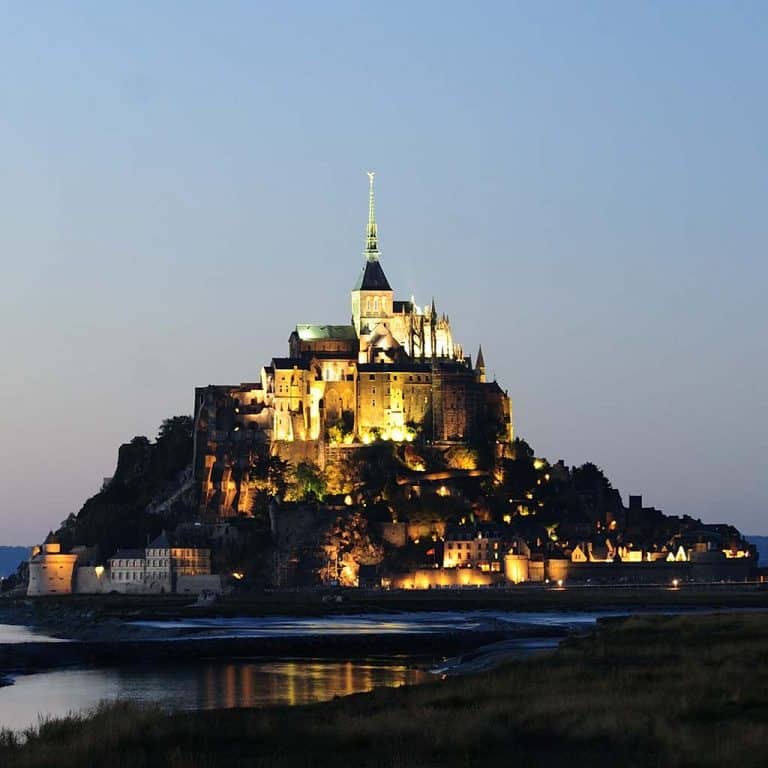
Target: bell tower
(372, 295)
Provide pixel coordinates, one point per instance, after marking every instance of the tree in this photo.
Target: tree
(310, 483)
(461, 457)
(590, 478)
(177, 428)
(268, 474)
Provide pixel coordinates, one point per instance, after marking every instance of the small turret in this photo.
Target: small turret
(480, 366)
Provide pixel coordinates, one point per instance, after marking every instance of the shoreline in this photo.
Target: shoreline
(31, 657)
(104, 617)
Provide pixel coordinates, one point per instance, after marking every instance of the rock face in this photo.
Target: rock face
(149, 491)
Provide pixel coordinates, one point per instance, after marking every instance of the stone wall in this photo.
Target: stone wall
(429, 578)
(194, 585)
(92, 580)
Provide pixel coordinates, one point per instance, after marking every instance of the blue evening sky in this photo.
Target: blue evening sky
(581, 186)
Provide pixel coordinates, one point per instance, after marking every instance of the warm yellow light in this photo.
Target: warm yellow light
(348, 500)
(675, 583)
(239, 575)
(366, 439)
(397, 434)
(507, 518)
(443, 491)
(99, 569)
(539, 463)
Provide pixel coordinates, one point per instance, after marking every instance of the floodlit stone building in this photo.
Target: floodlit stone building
(162, 567)
(51, 571)
(395, 370)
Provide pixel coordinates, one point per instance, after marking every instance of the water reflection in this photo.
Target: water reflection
(204, 686)
(12, 633)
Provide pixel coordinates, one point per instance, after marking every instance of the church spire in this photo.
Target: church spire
(372, 236)
(480, 366)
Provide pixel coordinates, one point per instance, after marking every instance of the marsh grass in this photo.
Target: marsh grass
(646, 691)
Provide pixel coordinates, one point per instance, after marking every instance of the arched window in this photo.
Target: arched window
(367, 304)
(375, 303)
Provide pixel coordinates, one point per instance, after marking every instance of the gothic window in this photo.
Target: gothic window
(375, 303)
(367, 304)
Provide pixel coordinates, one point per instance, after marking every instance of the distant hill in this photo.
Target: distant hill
(761, 542)
(10, 557)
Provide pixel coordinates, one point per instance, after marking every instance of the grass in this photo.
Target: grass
(645, 691)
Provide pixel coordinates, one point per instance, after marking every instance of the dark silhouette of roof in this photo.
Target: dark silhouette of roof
(372, 277)
(288, 363)
(129, 554)
(161, 542)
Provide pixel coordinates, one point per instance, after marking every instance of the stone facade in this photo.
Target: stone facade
(51, 571)
(158, 569)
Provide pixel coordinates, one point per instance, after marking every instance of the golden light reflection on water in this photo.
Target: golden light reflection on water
(210, 685)
(297, 682)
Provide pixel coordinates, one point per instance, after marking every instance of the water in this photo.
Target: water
(424, 622)
(209, 685)
(11, 633)
(222, 684)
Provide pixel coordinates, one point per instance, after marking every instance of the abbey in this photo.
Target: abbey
(394, 373)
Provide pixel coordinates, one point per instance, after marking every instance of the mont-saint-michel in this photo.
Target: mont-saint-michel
(452, 464)
(360, 514)
(377, 454)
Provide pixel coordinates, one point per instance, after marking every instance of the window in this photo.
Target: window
(371, 377)
(376, 304)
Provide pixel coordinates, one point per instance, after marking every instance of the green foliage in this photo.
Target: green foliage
(269, 474)
(310, 483)
(379, 468)
(342, 475)
(461, 457)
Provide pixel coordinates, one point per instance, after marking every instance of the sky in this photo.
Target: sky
(581, 186)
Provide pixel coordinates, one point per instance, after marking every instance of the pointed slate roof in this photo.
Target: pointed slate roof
(480, 361)
(372, 277)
